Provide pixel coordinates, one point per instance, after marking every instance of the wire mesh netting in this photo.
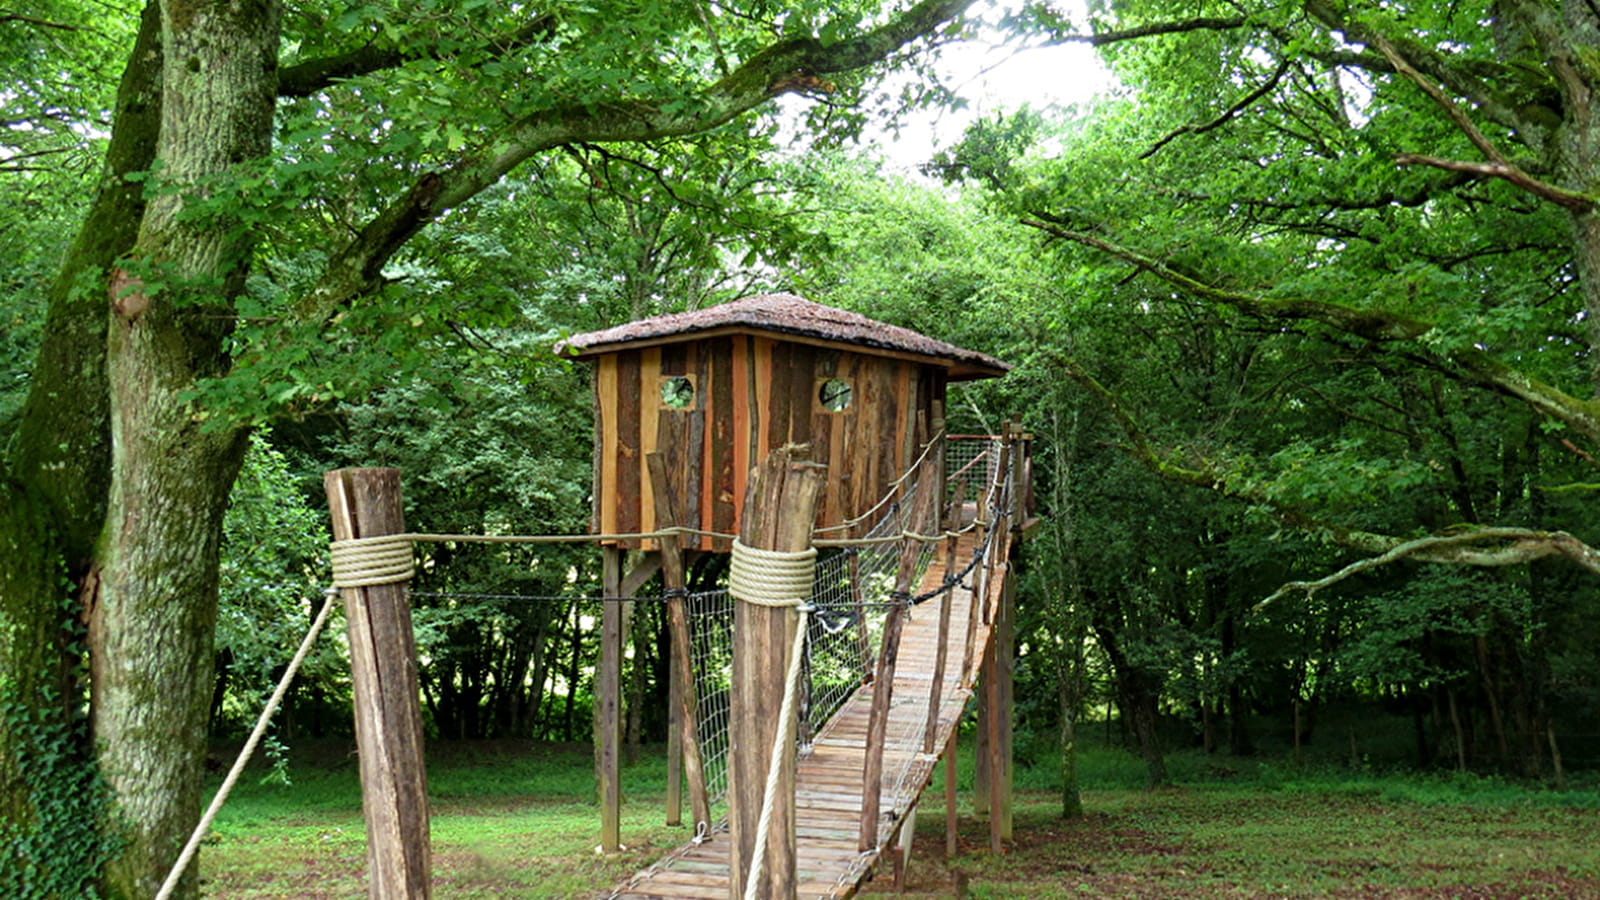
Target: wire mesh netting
(851, 597)
(853, 593)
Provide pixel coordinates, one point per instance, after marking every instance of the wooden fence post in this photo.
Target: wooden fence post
(779, 511)
(365, 503)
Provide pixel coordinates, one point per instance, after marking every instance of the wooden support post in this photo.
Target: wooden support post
(675, 722)
(684, 700)
(1006, 628)
(950, 822)
(1000, 746)
(780, 508)
(935, 689)
(383, 674)
(981, 776)
(608, 702)
(923, 506)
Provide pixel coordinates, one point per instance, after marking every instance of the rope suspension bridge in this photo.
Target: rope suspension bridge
(890, 661)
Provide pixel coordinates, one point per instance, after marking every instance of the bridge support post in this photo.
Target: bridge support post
(365, 503)
(924, 513)
(779, 513)
(608, 701)
(683, 745)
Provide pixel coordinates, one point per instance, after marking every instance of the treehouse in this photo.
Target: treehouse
(713, 390)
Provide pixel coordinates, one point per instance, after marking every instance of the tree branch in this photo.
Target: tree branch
(787, 66)
(1521, 546)
(1227, 115)
(1473, 80)
(1572, 200)
(1179, 26)
(1498, 166)
(1463, 362)
(306, 78)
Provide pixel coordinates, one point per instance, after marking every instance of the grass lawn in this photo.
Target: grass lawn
(516, 820)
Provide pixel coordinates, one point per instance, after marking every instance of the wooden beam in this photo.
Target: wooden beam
(950, 822)
(383, 675)
(923, 507)
(608, 702)
(779, 510)
(684, 701)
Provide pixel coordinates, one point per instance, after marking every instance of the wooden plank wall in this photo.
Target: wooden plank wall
(751, 394)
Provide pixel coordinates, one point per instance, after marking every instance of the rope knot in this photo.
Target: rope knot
(364, 562)
(772, 577)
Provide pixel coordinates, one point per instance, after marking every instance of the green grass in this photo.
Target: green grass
(516, 820)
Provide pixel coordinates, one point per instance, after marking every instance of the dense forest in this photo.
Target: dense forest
(1304, 309)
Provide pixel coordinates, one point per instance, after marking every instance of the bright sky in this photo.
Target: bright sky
(994, 77)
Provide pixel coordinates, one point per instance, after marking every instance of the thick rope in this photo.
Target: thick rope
(365, 562)
(771, 577)
(200, 830)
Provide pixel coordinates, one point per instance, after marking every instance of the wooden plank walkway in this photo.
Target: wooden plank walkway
(828, 779)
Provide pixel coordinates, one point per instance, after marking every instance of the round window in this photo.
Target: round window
(677, 392)
(835, 395)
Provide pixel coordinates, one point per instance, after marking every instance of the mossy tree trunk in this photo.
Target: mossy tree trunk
(114, 490)
(154, 615)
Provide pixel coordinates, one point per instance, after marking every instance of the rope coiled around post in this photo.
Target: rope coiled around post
(773, 578)
(369, 561)
(779, 579)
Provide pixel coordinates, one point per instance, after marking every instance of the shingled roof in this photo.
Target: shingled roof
(793, 317)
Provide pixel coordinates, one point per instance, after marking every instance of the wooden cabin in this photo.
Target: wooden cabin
(715, 389)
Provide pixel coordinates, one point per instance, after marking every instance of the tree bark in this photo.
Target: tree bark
(152, 622)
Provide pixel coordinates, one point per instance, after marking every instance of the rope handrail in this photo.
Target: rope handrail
(894, 487)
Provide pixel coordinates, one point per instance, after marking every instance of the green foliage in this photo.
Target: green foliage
(57, 850)
(273, 572)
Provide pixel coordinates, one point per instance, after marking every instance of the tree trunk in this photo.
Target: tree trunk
(1067, 704)
(1137, 698)
(152, 622)
(1141, 705)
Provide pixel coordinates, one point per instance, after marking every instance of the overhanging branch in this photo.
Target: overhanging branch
(1466, 363)
(787, 66)
(1518, 546)
(1227, 115)
(1178, 26)
(1571, 200)
(306, 78)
